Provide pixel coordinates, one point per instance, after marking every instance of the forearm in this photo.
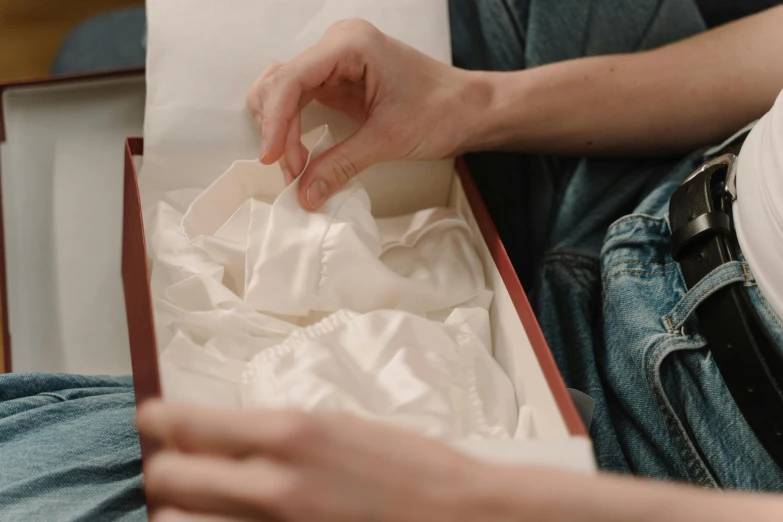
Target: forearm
(668, 100)
(558, 496)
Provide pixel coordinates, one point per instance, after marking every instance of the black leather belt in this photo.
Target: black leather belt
(703, 238)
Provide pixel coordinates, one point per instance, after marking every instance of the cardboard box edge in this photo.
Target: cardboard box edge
(546, 360)
(148, 384)
(138, 296)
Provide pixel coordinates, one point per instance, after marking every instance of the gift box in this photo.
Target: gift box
(557, 433)
(75, 267)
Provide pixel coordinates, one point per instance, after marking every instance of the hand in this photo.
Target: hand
(288, 466)
(409, 106)
(224, 466)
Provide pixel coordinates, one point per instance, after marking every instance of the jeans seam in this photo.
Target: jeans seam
(512, 19)
(640, 271)
(567, 261)
(53, 394)
(649, 26)
(666, 266)
(575, 254)
(634, 217)
(585, 35)
(577, 278)
(645, 263)
(611, 277)
(673, 422)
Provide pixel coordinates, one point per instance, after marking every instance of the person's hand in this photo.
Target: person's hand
(289, 466)
(232, 466)
(409, 106)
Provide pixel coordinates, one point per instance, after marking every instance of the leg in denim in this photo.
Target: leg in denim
(69, 449)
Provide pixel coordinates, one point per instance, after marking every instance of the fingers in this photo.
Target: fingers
(341, 55)
(279, 107)
(337, 166)
(293, 160)
(279, 93)
(231, 433)
(241, 489)
(255, 106)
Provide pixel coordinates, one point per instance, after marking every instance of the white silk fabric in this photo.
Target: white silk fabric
(390, 366)
(259, 303)
(339, 256)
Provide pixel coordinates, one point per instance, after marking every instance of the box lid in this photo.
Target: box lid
(44, 211)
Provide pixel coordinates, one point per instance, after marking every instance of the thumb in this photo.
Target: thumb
(337, 166)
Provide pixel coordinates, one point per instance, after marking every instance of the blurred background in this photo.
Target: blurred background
(31, 31)
(42, 37)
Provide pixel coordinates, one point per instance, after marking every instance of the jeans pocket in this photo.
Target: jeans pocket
(668, 388)
(685, 379)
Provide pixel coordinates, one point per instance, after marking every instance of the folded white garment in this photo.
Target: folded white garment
(391, 366)
(259, 303)
(338, 257)
(193, 373)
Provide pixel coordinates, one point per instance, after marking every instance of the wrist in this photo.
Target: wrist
(483, 496)
(492, 112)
(514, 493)
(502, 494)
(475, 103)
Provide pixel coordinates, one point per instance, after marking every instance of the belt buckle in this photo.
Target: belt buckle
(730, 162)
(717, 218)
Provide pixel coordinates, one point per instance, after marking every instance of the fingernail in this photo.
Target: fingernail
(317, 193)
(287, 177)
(263, 151)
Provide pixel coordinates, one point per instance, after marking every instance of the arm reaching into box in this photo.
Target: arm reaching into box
(667, 100)
(292, 467)
(394, 91)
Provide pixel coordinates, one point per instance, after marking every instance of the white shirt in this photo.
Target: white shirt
(758, 211)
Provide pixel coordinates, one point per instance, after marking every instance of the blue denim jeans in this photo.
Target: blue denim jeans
(69, 449)
(589, 238)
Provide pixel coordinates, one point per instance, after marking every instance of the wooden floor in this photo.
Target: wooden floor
(31, 31)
